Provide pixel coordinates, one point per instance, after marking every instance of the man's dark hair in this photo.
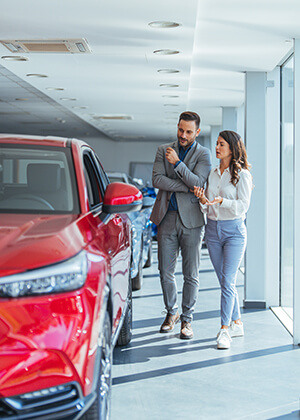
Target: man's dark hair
(190, 116)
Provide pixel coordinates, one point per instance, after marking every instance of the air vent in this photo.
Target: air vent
(112, 117)
(47, 46)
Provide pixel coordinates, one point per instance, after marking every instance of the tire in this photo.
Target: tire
(137, 281)
(148, 263)
(100, 410)
(126, 329)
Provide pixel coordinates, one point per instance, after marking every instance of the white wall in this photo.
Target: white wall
(116, 156)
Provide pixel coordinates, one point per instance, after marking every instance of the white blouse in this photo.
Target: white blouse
(236, 199)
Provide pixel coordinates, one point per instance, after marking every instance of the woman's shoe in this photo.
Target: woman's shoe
(236, 330)
(223, 339)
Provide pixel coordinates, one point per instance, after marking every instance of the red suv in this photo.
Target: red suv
(65, 288)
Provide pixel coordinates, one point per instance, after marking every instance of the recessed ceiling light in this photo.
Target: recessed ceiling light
(36, 75)
(79, 107)
(163, 24)
(54, 88)
(14, 58)
(21, 99)
(68, 99)
(168, 85)
(170, 96)
(168, 71)
(166, 52)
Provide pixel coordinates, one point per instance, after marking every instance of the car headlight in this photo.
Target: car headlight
(61, 277)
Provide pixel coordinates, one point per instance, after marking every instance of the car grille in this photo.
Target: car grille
(33, 404)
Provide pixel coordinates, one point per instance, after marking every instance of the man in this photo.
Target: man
(178, 167)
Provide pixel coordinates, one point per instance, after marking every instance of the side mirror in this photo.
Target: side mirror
(122, 198)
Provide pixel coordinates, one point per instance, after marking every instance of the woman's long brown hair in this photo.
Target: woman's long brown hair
(239, 155)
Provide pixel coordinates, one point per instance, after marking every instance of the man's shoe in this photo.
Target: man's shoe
(169, 323)
(236, 330)
(186, 332)
(223, 339)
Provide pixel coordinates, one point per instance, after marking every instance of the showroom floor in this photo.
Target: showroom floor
(159, 376)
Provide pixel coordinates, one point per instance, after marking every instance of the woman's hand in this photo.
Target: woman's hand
(199, 193)
(216, 200)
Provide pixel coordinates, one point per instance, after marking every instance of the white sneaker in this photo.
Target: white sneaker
(236, 330)
(223, 339)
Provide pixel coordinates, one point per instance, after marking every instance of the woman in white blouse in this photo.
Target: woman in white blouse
(226, 201)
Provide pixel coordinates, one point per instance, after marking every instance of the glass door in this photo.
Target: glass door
(287, 175)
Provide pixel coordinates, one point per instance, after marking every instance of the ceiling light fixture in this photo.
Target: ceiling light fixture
(79, 107)
(170, 96)
(168, 85)
(166, 52)
(168, 71)
(68, 99)
(14, 58)
(54, 88)
(171, 105)
(112, 117)
(164, 24)
(36, 75)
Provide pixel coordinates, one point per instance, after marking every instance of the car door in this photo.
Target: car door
(111, 234)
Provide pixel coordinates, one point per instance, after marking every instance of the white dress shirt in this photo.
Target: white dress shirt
(236, 199)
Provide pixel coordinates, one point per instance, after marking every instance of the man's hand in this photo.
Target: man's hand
(172, 156)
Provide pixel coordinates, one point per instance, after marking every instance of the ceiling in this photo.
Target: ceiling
(218, 41)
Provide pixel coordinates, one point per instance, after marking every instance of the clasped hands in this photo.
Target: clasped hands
(199, 193)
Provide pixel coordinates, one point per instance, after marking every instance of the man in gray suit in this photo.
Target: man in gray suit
(178, 167)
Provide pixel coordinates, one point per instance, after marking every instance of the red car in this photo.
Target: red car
(65, 288)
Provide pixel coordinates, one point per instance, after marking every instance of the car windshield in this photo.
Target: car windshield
(37, 179)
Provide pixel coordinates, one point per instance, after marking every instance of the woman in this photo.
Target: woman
(226, 201)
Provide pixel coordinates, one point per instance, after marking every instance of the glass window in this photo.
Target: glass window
(287, 173)
(37, 179)
(92, 183)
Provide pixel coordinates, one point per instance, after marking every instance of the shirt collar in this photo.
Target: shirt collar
(186, 150)
(217, 169)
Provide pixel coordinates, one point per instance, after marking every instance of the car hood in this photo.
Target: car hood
(30, 241)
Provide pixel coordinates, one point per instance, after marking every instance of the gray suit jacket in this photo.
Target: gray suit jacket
(193, 171)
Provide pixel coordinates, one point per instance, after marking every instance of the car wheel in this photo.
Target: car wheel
(126, 329)
(137, 281)
(100, 409)
(149, 258)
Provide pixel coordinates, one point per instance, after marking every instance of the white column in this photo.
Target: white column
(214, 133)
(229, 118)
(273, 188)
(296, 271)
(256, 220)
(240, 121)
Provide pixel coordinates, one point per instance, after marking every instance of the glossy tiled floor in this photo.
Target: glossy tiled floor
(159, 376)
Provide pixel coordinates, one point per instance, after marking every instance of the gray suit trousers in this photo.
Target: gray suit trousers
(173, 236)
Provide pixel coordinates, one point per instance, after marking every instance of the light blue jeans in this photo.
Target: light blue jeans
(226, 242)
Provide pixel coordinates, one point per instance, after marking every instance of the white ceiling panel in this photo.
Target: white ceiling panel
(218, 41)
